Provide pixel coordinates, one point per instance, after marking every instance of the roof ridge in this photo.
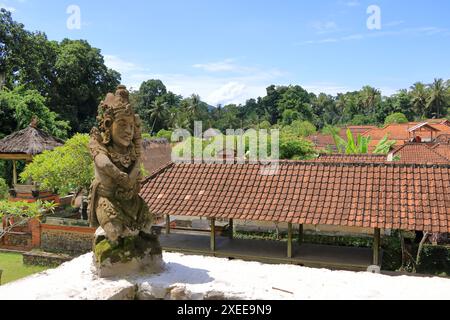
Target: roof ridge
(438, 153)
(158, 171)
(387, 164)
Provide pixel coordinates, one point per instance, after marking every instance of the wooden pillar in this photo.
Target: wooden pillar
(376, 246)
(167, 224)
(213, 234)
(14, 173)
(289, 245)
(231, 227)
(300, 234)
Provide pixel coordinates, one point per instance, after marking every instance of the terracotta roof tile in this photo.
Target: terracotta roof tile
(443, 149)
(411, 197)
(344, 158)
(421, 153)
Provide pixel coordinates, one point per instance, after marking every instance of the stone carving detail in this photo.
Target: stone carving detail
(124, 242)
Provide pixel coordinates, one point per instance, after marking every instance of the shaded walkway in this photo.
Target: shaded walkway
(266, 251)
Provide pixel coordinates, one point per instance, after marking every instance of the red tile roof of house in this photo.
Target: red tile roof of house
(443, 149)
(323, 141)
(420, 153)
(391, 196)
(353, 158)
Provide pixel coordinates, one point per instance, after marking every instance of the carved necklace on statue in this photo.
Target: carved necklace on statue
(125, 160)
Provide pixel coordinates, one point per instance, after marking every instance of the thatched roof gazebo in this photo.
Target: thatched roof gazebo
(25, 144)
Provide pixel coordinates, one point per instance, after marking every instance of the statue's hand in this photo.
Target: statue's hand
(124, 180)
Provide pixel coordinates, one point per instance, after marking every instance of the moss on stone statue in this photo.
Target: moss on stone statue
(126, 249)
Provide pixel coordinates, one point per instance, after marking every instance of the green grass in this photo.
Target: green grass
(13, 268)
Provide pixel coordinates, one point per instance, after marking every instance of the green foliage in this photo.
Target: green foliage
(3, 189)
(435, 260)
(384, 146)
(70, 74)
(439, 99)
(167, 134)
(144, 172)
(265, 125)
(17, 108)
(147, 136)
(396, 118)
(24, 209)
(362, 120)
(289, 116)
(64, 169)
(298, 149)
(350, 146)
(301, 128)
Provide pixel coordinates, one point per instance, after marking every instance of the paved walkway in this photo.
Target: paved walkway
(308, 255)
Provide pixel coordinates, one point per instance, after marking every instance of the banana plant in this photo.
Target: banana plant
(361, 146)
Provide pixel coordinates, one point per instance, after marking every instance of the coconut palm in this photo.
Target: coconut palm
(370, 98)
(158, 113)
(438, 97)
(194, 107)
(419, 95)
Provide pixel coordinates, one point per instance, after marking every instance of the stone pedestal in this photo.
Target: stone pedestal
(133, 255)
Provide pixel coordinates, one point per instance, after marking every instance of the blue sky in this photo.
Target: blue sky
(229, 51)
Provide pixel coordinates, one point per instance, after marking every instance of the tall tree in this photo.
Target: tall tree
(158, 114)
(370, 99)
(71, 75)
(419, 97)
(82, 81)
(437, 101)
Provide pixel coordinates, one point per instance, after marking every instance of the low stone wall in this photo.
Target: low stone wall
(45, 259)
(23, 238)
(72, 240)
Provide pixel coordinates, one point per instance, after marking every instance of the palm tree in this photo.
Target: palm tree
(370, 97)
(194, 107)
(438, 97)
(158, 112)
(420, 95)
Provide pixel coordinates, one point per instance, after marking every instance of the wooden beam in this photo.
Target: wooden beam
(376, 246)
(167, 224)
(289, 244)
(213, 234)
(16, 156)
(14, 173)
(231, 227)
(300, 234)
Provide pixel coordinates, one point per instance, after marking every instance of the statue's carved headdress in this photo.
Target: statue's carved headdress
(115, 105)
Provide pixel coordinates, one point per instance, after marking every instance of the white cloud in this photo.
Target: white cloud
(116, 63)
(393, 23)
(227, 65)
(212, 90)
(352, 3)
(322, 27)
(231, 92)
(8, 8)
(421, 31)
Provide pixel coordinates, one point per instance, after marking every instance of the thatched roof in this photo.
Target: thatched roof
(30, 141)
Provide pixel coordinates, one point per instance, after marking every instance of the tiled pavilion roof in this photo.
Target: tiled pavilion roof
(421, 153)
(387, 196)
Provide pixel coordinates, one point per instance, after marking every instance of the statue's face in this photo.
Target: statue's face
(123, 131)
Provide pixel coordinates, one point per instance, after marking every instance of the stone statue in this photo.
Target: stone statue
(124, 242)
